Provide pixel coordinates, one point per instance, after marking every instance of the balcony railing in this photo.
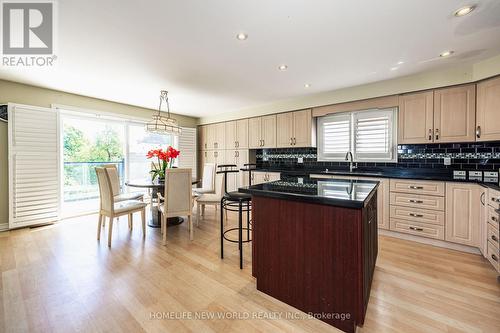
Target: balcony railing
(80, 179)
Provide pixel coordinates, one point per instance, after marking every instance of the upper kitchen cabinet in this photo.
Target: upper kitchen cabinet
(202, 137)
(488, 110)
(295, 129)
(236, 134)
(416, 118)
(262, 132)
(455, 114)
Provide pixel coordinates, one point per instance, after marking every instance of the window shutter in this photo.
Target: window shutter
(34, 170)
(334, 137)
(373, 135)
(187, 147)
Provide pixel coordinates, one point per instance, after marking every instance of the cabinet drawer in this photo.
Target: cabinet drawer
(494, 198)
(417, 215)
(493, 216)
(417, 187)
(492, 254)
(493, 234)
(417, 201)
(417, 228)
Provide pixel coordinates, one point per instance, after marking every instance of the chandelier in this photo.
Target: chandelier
(161, 124)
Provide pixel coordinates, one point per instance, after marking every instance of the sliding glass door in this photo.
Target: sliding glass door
(91, 142)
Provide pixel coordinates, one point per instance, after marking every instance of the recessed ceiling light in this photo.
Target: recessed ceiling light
(394, 68)
(307, 85)
(400, 62)
(464, 10)
(283, 68)
(446, 54)
(241, 36)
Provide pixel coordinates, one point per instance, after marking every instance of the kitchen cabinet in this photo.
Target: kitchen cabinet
(295, 129)
(262, 132)
(463, 213)
(215, 156)
(416, 118)
(488, 110)
(238, 157)
(219, 134)
(455, 114)
(236, 136)
(202, 137)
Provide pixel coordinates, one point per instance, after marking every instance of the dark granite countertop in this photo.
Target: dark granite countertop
(419, 174)
(333, 192)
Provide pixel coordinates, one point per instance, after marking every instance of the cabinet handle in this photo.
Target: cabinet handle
(437, 134)
(291, 141)
(263, 143)
(494, 219)
(238, 144)
(494, 257)
(294, 141)
(430, 134)
(415, 215)
(237, 154)
(415, 187)
(415, 201)
(205, 146)
(205, 154)
(416, 229)
(478, 132)
(494, 238)
(495, 199)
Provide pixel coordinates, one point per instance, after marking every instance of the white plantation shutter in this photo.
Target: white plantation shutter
(34, 172)
(369, 135)
(373, 135)
(187, 147)
(334, 136)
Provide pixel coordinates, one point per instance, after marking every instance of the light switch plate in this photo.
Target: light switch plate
(447, 161)
(300, 160)
(300, 180)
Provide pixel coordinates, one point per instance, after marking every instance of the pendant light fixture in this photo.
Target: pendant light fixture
(161, 124)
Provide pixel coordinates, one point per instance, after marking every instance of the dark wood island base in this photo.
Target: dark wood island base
(316, 257)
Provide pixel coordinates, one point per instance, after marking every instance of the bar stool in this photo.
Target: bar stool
(234, 202)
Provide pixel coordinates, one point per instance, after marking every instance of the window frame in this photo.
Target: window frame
(352, 115)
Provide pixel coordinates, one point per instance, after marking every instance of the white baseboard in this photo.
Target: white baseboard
(430, 241)
(4, 226)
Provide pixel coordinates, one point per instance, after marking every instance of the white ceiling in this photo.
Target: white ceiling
(126, 51)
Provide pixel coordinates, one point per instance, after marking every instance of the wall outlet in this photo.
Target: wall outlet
(447, 161)
(300, 160)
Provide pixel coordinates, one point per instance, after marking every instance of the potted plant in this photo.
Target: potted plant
(165, 159)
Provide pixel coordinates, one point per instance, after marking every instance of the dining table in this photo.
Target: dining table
(155, 187)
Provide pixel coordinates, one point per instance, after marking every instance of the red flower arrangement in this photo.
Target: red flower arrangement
(165, 159)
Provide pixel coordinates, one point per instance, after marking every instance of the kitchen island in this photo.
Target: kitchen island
(314, 246)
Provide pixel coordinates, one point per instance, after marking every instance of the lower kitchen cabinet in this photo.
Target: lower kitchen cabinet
(259, 177)
(463, 209)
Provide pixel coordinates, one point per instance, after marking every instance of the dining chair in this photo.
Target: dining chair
(177, 198)
(115, 183)
(212, 199)
(110, 208)
(208, 180)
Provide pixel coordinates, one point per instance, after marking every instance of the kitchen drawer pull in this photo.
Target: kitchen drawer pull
(494, 257)
(494, 238)
(415, 201)
(478, 132)
(415, 215)
(494, 219)
(416, 187)
(495, 199)
(416, 229)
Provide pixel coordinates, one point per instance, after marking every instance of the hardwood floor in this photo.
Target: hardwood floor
(60, 279)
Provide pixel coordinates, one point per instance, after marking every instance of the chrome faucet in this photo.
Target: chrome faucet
(348, 157)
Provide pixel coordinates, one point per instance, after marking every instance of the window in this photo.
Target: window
(369, 135)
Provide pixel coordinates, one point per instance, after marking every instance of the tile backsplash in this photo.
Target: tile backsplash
(464, 156)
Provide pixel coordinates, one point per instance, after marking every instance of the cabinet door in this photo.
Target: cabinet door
(230, 158)
(254, 140)
(416, 118)
(284, 130)
(455, 114)
(219, 135)
(242, 133)
(462, 213)
(230, 136)
(383, 200)
(488, 110)
(483, 221)
(210, 136)
(202, 134)
(258, 177)
(273, 176)
(268, 131)
(302, 128)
